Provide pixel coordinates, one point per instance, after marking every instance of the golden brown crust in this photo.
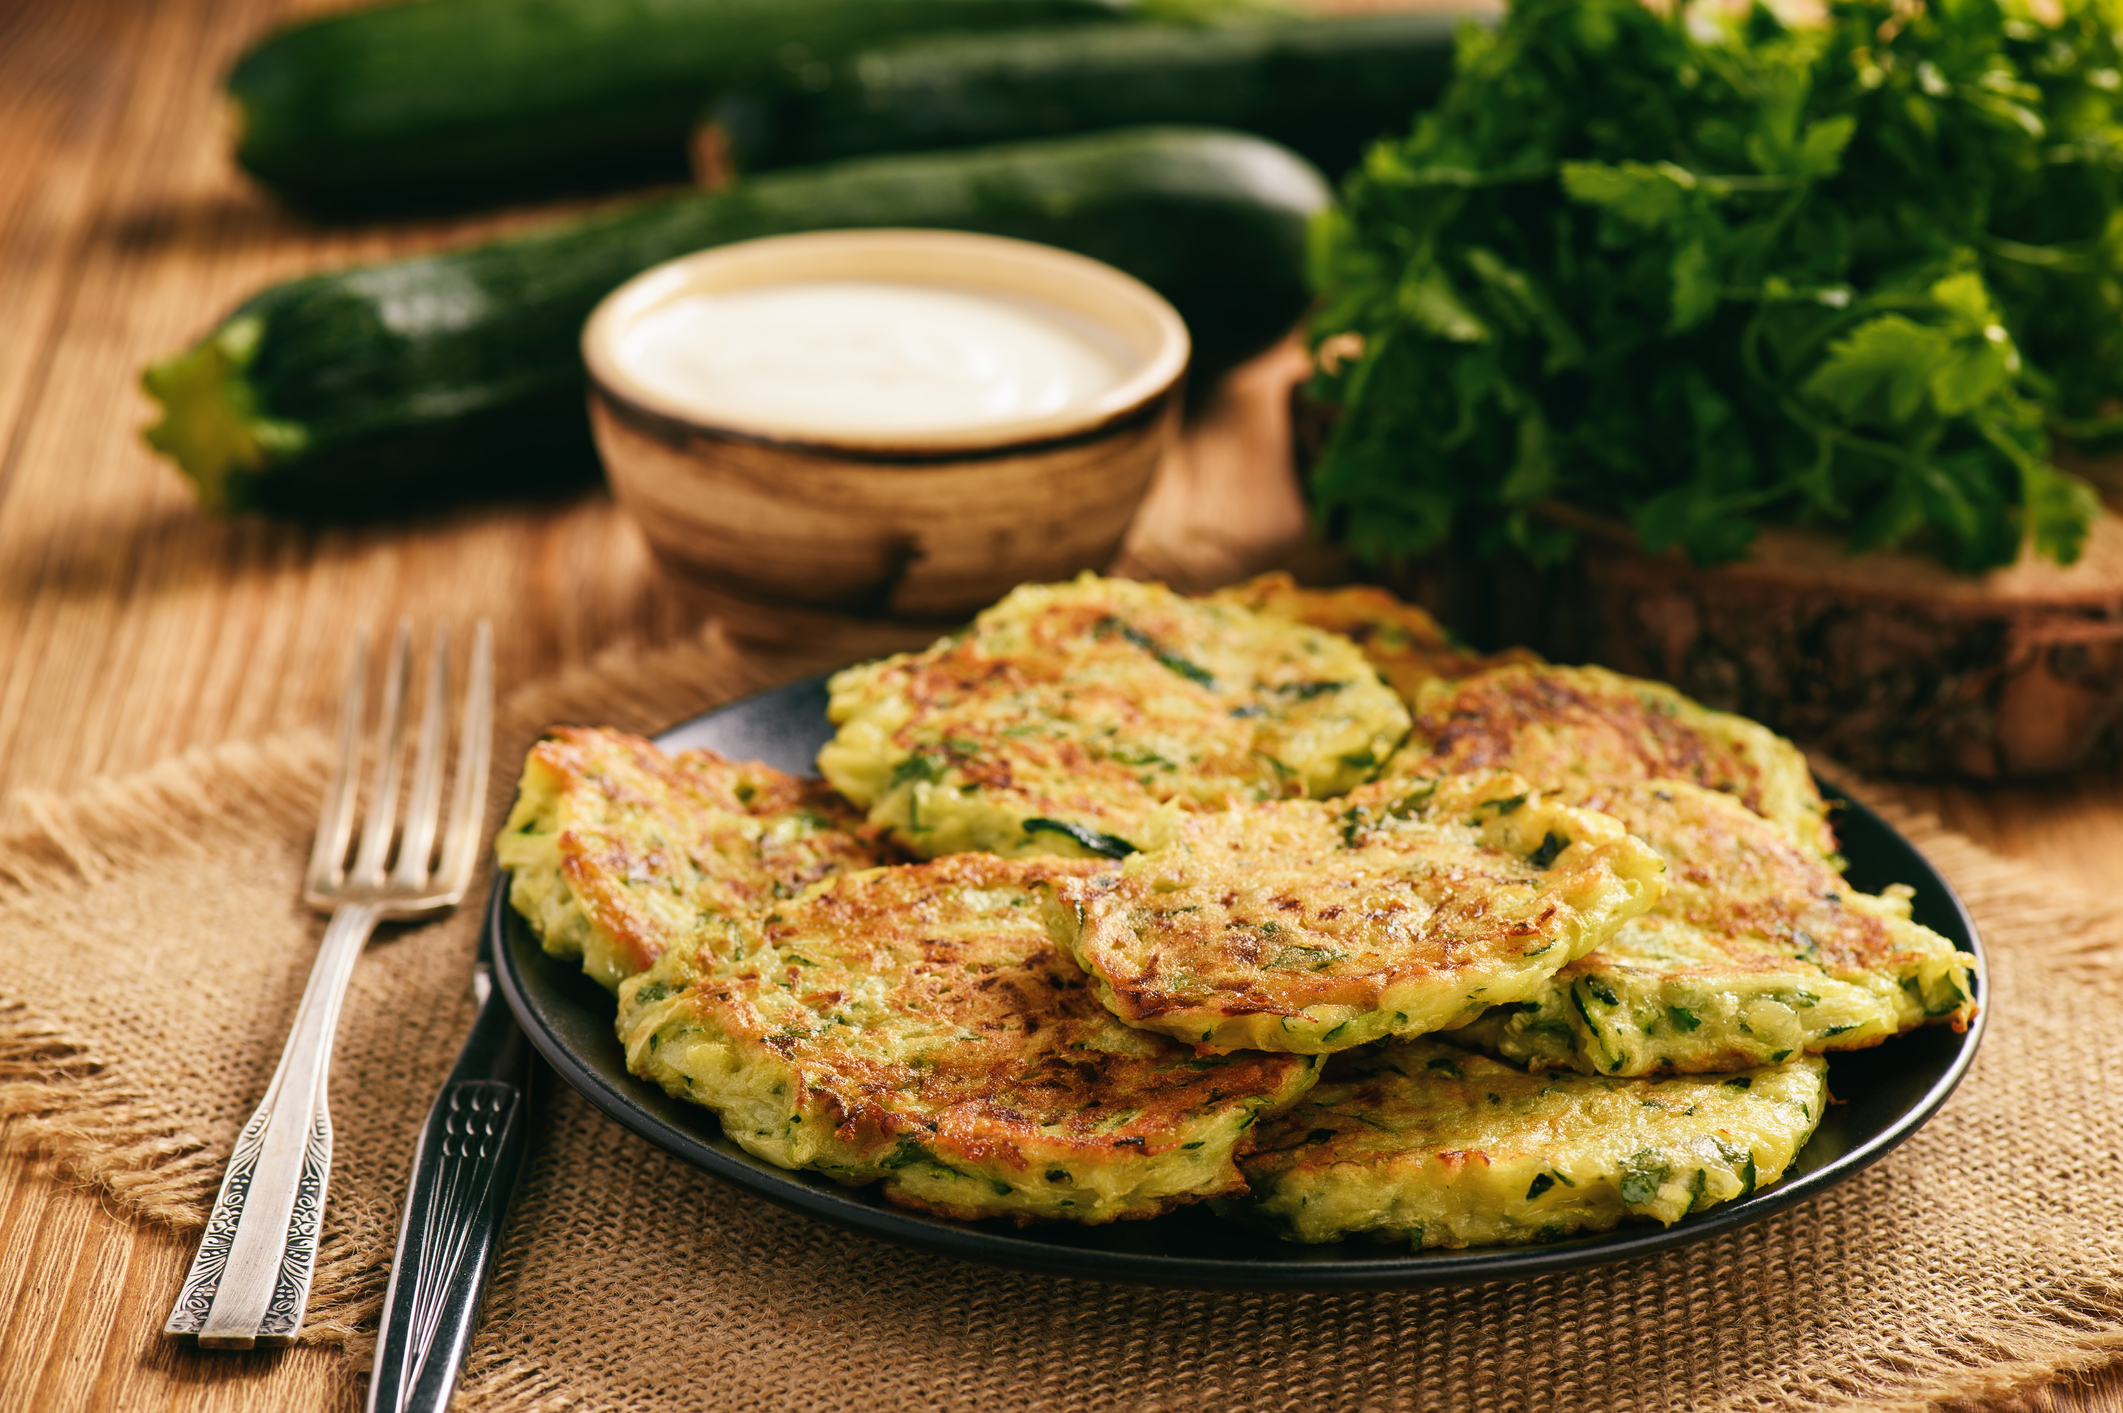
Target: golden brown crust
(1074, 710)
(1425, 1142)
(1405, 644)
(922, 1013)
(1732, 876)
(1313, 927)
(731, 837)
(1758, 951)
(1575, 729)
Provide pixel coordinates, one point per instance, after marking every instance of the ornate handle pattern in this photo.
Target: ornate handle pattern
(251, 1279)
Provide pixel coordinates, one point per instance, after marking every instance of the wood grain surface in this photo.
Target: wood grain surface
(131, 627)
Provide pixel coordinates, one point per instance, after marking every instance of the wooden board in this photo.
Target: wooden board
(131, 627)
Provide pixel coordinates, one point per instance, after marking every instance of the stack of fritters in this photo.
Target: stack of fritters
(1181, 850)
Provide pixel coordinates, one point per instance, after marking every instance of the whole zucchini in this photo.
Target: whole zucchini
(1324, 87)
(378, 390)
(441, 102)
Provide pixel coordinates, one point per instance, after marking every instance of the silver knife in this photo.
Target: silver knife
(464, 1174)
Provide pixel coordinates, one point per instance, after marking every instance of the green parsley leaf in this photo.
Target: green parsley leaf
(1706, 279)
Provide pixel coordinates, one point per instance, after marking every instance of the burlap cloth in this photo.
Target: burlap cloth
(152, 952)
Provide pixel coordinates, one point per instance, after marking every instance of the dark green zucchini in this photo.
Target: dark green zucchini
(447, 102)
(395, 387)
(1323, 87)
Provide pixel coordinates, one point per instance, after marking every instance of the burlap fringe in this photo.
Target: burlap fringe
(175, 805)
(102, 1127)
(97, 1124)
(1979, 1372)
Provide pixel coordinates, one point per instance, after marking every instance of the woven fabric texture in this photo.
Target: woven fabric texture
(152, 951)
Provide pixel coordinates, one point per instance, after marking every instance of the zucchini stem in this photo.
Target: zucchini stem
(210, 424)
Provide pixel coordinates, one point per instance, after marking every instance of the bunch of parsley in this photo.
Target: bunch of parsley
(1705, 276)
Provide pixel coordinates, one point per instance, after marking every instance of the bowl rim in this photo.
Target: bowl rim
(977, 260)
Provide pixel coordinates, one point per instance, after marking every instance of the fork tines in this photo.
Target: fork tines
(420, 875)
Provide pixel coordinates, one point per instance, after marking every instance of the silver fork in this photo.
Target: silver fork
(251, 1279)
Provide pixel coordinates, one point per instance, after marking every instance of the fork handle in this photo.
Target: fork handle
(250, 1281)
(464, 1171)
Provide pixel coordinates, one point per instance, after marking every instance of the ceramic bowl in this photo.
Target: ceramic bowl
(906, 527)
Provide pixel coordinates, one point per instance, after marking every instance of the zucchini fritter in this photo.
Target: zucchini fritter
(1402, 641)
(1423, 1142)
(1067, 713)
(619, 850)
(1312, 926)
(916, 1024)
(1758, 951)
(1574, 729)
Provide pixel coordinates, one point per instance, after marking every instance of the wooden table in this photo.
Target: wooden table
(131, 627)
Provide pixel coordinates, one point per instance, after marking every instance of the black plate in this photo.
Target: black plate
(1887, 1093)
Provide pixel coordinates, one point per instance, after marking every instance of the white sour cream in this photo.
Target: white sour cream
(845, 358)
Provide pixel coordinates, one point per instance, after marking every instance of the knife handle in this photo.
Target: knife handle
(464, 1172)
